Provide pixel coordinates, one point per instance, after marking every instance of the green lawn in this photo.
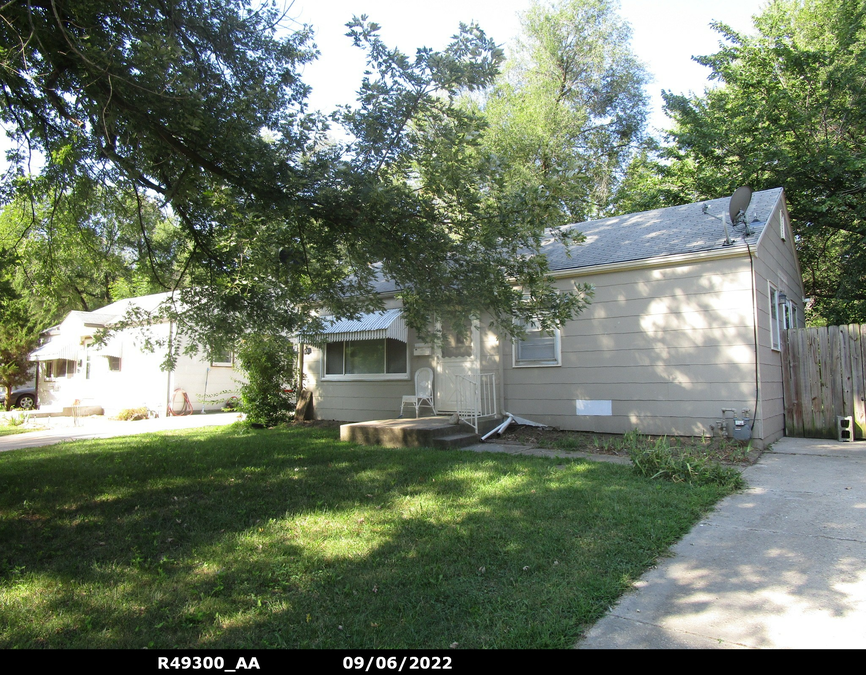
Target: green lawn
(233, 538)
(12, 430)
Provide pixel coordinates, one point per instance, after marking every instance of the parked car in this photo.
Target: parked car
(23, 397)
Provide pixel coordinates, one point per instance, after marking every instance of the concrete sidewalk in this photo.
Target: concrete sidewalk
(782, 565)
(63, 429)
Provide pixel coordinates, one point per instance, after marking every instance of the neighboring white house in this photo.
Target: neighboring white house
(122, 374)
(685, 322)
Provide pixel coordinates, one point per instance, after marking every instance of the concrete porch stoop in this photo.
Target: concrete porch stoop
(432, 432)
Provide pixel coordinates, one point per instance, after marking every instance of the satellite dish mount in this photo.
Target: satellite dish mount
(738, 205)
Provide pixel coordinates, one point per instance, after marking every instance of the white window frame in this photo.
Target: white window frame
(360, 377)
(87, 361)
(775, 325)
(224, 364)
(539, 363)
(51, 365)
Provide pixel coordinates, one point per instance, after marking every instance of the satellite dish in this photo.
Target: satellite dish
(739, 203)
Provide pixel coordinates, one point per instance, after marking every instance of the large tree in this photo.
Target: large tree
(789, 110)
(201, 103)
(19, 335)
(570, 107)
(85, 246)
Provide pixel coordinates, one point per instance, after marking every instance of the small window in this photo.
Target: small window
(54, 370)
(538, 348)
(224, 358)
(114, 364)
(775, 341)
(360, 359)
(790, 315)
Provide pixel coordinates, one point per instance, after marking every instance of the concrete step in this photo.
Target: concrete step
(455, 440)
(409, 433)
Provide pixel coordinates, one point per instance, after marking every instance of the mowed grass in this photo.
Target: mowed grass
(12, 430)
(234, 538)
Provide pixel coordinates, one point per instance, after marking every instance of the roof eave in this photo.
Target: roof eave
(649, 263)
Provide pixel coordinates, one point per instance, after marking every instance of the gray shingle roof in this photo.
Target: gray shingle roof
(115, 311)
(675, 230)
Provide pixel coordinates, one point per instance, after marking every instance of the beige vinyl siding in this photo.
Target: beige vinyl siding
(669, 347)
(775, 263)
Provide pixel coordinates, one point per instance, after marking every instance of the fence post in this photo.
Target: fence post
(857, 346)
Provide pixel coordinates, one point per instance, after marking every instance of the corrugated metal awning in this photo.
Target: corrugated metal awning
(375, 326)
(64, 348)
(113, 347)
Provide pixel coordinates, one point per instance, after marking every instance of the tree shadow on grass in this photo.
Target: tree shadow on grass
(290, 538)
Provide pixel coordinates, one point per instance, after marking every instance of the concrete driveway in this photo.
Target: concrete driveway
(782, 565)
(62, 429)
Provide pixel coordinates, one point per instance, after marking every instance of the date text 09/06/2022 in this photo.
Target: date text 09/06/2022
(349, 663)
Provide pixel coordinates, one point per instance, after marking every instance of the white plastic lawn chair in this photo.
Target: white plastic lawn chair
(423, 392)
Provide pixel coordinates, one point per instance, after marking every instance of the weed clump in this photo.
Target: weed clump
(130, 414)
(657, 459)
(16, 420)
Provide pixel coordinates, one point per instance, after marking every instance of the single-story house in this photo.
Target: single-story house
(685, 323)
(121, 373)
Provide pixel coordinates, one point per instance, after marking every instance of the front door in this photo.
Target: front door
(457, 358)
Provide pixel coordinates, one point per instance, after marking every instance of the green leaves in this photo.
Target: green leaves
(267, 363)
(82, 246)
(569, 108)
(171, 101)
(19, 335)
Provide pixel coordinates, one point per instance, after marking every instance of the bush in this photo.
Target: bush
(267, 361)
(656, 459)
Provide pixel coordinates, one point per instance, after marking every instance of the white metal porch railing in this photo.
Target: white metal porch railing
(476, 398)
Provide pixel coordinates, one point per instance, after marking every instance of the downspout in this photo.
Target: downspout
(755, 337)
(168, 374)
(204, 398)
(503, 405)
(300, 384)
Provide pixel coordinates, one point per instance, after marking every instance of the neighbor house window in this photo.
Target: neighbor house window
(58, 368)
(88, 361)
(775, 341)
(223, 358)
(538, 348)
(361, 359)
(114, 363)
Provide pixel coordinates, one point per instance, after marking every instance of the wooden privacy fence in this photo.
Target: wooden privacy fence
(823, 378)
